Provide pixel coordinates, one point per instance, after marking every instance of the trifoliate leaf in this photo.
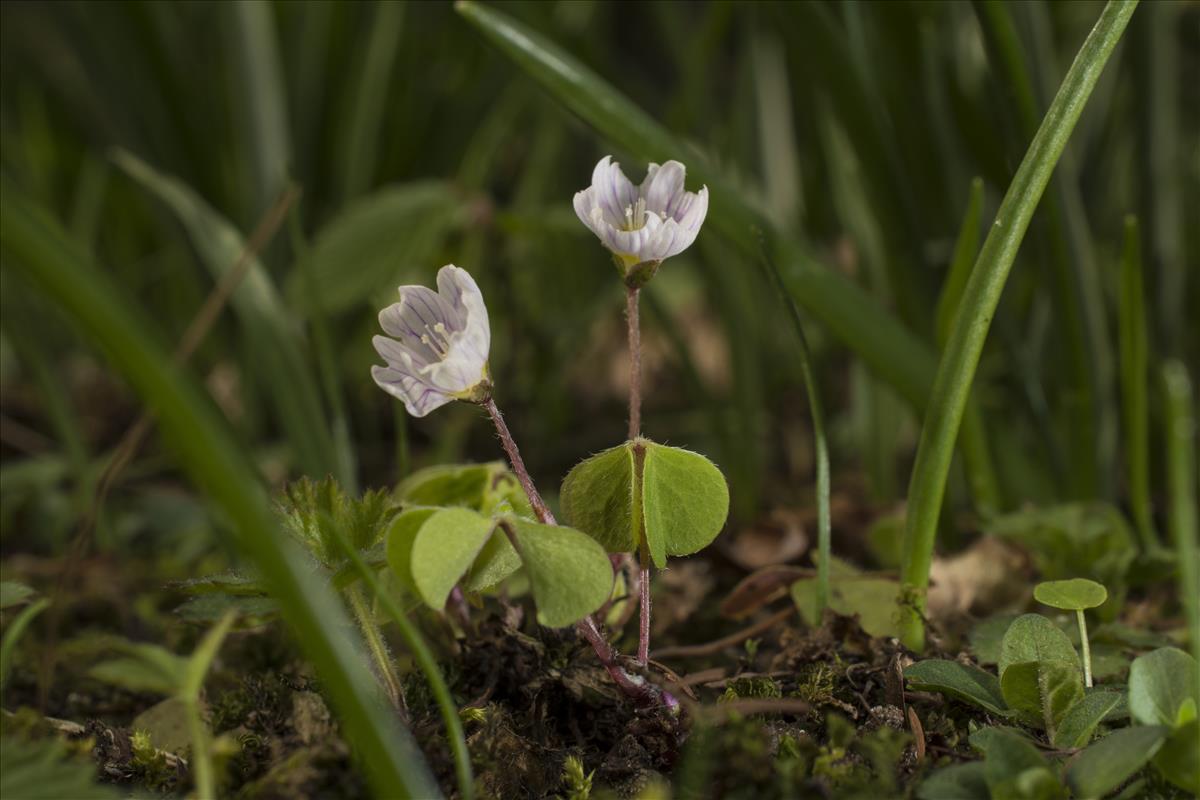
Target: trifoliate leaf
(597, 498)
(686, 500)
(569, 573)
(400, 537)
(672, 501)
(444, 549)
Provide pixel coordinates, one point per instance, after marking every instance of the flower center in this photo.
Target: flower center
(635, 216)
(437, 338)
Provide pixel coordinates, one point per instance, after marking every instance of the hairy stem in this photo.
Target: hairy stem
(635, 361)
(634, 688)
(378, 649)
(643, 653)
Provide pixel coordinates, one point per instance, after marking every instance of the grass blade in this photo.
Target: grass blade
(271, 333)
(977, 307)
(360, 139)
(36, 246)
(824, 524)
(1181, 483)
(1135, 376)
(263, 99)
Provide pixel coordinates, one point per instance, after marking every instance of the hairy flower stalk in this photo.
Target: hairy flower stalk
(437, 352)
(642, 226)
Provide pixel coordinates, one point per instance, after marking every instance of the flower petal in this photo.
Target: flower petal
(419, 397)
(663, 188)
(474, 339)
(396, 325)
(631, 242)
(613, 191)
(585, 201)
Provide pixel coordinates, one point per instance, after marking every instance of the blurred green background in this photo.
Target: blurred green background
(160, 134)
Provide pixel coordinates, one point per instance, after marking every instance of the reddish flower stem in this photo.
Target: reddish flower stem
(636, 688)
(635, 361)
(643, 653)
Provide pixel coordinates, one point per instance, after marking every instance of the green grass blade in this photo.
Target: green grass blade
(272, 334)
(977, 459)
(12, 635)
(36, 246)
(360, 137)
(1089, 411)
(977, 307)
(263, 99)
(824, 524)
(1181, 484)
(1135, 377)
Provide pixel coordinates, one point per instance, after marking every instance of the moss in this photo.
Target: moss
(150, 764)
(761, 688)
(578, 782)
(815, 684)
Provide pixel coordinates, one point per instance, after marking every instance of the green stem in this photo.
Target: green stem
(1087, 650)
(201, 762)
(956, 370)
(1181, 481)
(824, 525)
(1131, 316)
(377, 647)
(428, 666)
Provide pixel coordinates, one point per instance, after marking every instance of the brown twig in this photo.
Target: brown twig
(133, 437)
(716, 646)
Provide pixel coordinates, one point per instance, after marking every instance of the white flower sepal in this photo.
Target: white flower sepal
(438, 349)
(642, 225)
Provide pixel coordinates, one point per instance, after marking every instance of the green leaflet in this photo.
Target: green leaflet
(433, 550)
(672, 501)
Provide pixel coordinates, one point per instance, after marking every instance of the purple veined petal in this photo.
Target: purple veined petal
(663, 187)
(613, 191)
(455, 287)
(631, 242)
(394, 324)
(669, 241)
(397, 353)
(692, 215)
(585, 201)
(474, 338)
(419, 398)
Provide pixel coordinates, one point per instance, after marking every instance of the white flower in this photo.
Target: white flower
(642, 224)
(439, 346)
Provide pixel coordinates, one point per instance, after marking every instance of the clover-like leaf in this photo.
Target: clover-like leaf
(444, 548)
(1162, 688)
(400, 537)
(569, 573)
(641, 494)
(1071, 595)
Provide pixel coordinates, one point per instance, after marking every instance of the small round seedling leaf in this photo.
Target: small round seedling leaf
(685, 500)
(1080, 722)
(597, 498)
(400, 537)
(1071, 595)
(444, 549)
(1161, 684)
(569, 573)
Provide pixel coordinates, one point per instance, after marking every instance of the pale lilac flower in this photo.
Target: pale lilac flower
(642, 224)
(439, 346)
